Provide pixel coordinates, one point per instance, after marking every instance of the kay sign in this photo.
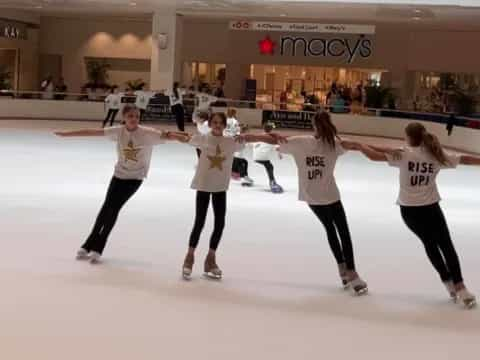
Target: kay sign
(302, 27)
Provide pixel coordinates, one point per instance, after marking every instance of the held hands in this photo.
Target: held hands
(278, 138)
(61, 133)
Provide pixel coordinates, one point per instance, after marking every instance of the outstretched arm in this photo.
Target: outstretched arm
(173, 135)
(82, 132)
(369, 151)
(469, 160)
(272, 138)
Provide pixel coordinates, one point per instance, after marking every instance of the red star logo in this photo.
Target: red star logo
(267, 46)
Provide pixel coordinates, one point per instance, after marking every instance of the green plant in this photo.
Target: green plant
(5, 78)
(135, 85)
(378, 97)
(97, 72)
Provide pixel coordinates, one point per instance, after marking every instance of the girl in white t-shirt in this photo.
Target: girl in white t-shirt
(211, 181)
(316, 156)
(203, 101)
(134, 149)
(142, 98)
(263, 154)
(419, 164)
(112, 106)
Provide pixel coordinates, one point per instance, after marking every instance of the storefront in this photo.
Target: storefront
(18, 55)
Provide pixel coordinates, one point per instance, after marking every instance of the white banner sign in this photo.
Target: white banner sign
(302, 27)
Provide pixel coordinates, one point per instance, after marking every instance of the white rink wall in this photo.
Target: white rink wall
(463, 139)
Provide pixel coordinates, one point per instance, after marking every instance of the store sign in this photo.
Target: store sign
(346, 48)
(288, 119)
(302, 27)
(13, 31)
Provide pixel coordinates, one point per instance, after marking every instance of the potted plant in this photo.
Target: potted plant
(136, 85)
(97, 72)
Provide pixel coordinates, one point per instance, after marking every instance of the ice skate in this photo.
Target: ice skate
(82, 254)
(188, 266)
(451, 290)
(275, 188)
(342, 270)
(246, 181)
(466, 298)
(94, 257)
(211, 268)
(359, 286)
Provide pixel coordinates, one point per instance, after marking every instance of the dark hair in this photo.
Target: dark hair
(419, 135)
(221, 115)
(175, 89)
(268, 127)
(204, 116)
(324, 128)
(128, 108)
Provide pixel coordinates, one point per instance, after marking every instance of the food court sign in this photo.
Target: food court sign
(345, 42)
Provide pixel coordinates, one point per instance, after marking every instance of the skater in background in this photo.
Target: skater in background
(316, 156)
(134, 148)
(263, 154)
(240, 162)
(451, 122)
(112, 106)
(203, 127)
(211, 181)
(141, 102)
(419, 164)
(233, 126)
(176, 103)
(203, 101)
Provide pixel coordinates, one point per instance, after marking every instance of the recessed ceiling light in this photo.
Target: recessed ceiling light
(416, 18)
(133, 3)
(38, 7)
(283, 15)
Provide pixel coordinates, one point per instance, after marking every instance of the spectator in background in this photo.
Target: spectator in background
(220, 93)
(47, 87)
(451, 122)
(61, 88)
(357, 99)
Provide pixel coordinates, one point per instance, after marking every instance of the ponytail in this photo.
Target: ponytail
(434, 147)
(324, 128)
(419, 135)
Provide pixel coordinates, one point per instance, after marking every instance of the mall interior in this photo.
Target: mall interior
(347, 272)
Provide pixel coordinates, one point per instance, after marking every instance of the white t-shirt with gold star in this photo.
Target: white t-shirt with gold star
(134, 150)
(215, 164)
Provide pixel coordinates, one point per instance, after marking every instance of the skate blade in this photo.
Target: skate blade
(247, 185)
(82, 257)
(95, 262)
(361, 292)
(186, 276)
(211, 276)
(470, 304)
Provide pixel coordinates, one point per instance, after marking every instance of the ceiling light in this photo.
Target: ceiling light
(283, 15)
(416, 18)
(38, 7)
(133, 3)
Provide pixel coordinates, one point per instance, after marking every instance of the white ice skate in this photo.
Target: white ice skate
(82, 254)
(246, 181)
(451, 290)
(94, 257)
(342, 271)
(359, 286)
(212, 271)
(188, 267)
(467, 298)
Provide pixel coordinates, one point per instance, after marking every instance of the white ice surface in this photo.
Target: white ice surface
(280, 298)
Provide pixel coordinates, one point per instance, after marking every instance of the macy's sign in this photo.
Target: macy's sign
(347, 48)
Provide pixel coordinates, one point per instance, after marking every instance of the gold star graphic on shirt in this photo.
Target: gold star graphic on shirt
(130, 152)
(217, 160)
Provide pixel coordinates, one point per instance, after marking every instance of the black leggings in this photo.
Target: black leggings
(111, 114)
(142, 114)
(269, 167)
(179, 113)
(334, 219)
(240, 166)
(118, 194)
(428, 223)
(219, 201)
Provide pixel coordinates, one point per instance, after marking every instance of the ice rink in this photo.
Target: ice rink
(280, 297)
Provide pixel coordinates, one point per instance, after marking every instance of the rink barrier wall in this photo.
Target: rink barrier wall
(463, 139)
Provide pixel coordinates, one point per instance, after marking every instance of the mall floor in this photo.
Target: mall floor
(280, 297)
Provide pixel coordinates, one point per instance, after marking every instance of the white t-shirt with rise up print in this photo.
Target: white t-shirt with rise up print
(316, 162)
(215, 164)
(418, 174)
(134, 149)
(203, 102)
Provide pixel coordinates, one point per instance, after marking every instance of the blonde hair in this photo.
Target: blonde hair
(419, 135)
(231, 112)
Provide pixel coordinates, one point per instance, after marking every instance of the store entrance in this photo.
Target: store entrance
(291, 84)
(8, 69)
